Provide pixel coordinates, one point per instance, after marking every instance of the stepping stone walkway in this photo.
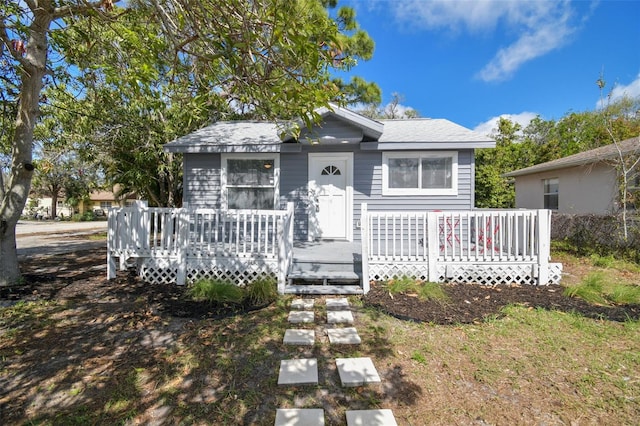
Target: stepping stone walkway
(352, 371)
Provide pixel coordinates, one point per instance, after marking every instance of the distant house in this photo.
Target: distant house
(587, 182)
(100, 202)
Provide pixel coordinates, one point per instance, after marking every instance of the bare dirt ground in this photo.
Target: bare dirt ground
(103, 318)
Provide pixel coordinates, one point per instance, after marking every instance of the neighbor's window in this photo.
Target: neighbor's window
(411, 173)
(250, 181)
(551, 187)
(105, 205)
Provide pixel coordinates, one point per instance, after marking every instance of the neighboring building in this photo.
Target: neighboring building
(41, 208)
(407, 165)
(100, 202)
(587, 182)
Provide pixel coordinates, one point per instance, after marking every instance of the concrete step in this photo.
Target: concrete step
(326, 267)
(323, 289)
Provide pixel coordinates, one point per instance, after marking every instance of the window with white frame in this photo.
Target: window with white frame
(420, 173)
(250, 181)
(551, 190)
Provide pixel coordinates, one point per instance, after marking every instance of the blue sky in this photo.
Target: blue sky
(474, 61)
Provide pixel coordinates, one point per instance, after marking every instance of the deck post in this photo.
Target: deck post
(364, 238)
(285, 246)
(544, 245)
(111, 230)
(433, 245)
(182, 236)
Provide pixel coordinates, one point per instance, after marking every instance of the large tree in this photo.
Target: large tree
(246, 52)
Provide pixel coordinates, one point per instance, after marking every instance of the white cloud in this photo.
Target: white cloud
(537, 27)
(631, 90)
(490, 126)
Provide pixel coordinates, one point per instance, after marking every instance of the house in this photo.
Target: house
(331, 169)
(347, 201)
(99, 202)
(583, 183)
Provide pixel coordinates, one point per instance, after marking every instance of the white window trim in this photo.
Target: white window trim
(419, 155)
(224, 201)
(545, 193)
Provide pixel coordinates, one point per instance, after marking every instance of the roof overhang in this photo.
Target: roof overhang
(409, 146)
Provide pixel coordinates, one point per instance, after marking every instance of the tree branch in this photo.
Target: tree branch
(82, 8)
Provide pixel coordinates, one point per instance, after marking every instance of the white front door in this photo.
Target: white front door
(330, 196)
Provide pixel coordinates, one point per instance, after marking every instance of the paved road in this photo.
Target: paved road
(50, 237)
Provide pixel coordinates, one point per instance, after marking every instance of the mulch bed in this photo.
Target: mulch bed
(80, 276)
(469, 303)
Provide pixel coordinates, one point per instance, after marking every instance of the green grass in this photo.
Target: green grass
(599, 288)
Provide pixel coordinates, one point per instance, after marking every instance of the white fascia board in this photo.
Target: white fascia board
(417, 146)
(201, 149)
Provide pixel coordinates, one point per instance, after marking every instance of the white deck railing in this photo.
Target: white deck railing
(199, 233)
(472, 237)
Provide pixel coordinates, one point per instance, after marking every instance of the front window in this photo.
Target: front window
(413, 173)
(551, 187)
(250, 181)
(105, 205)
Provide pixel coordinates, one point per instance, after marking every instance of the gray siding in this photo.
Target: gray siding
(202, 184)
(333, 128)
(293, 187)
(367, 184)
(201, 180)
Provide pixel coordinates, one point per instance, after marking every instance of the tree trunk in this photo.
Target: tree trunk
(54, 204)
(19, 182)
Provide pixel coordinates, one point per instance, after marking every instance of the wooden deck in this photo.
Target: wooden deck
(476, 246)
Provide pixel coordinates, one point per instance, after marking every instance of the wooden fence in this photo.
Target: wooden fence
(261, 239)
(440, 245)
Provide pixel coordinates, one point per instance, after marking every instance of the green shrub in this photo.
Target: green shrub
(403, 284)
(262, 290)
(624, 294)
(217, 291)
(596, 288)
(424, 290)
(432, 291)
(590, 289)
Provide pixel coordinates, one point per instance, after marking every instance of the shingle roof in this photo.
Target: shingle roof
(587, 157)
(230, 133)
(387, 134)
(428, 130)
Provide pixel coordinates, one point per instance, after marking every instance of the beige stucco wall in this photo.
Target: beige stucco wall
(584, 189)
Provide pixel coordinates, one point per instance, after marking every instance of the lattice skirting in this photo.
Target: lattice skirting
(488, 274)
(240, 271)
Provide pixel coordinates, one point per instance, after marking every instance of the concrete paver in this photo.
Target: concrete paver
(357, 371)
(337, 317)
(299, 337)
(344, 336)
(339, 303)
(299, 417)
(303, 304)
(298, 317)
(370, 418)
(298, 372)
